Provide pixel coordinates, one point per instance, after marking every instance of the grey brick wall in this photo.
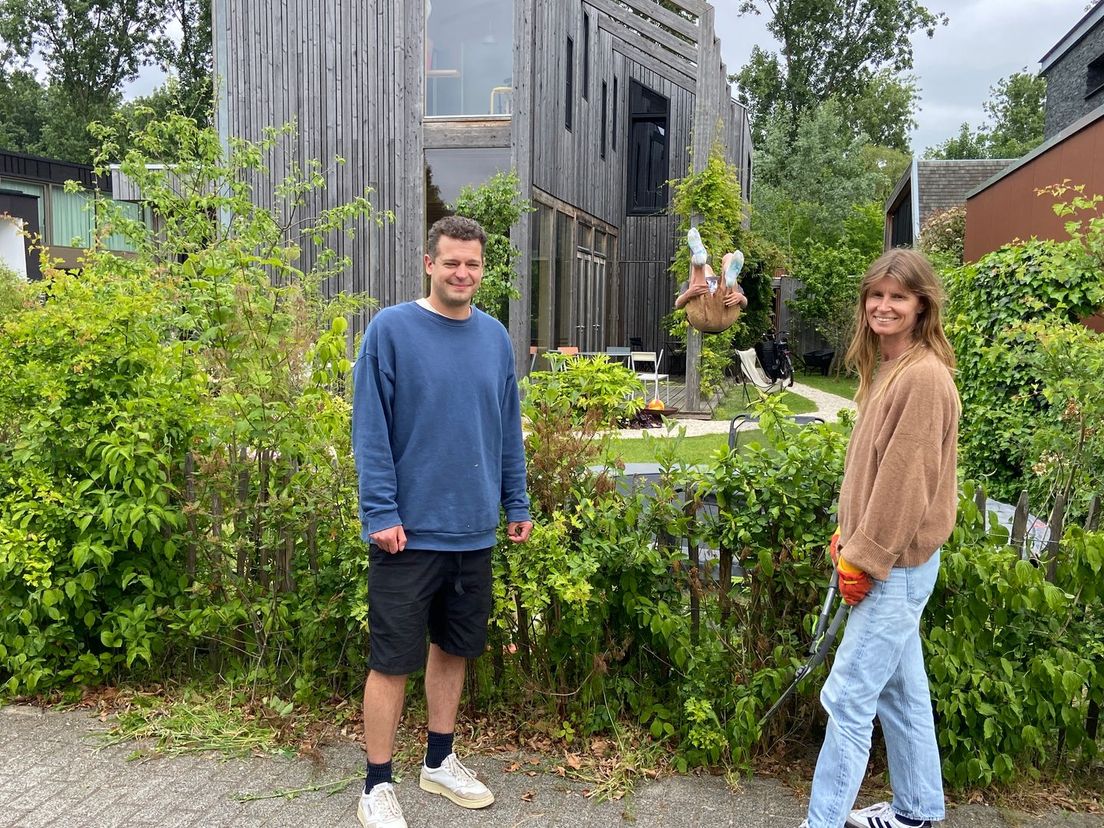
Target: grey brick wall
(1066, 83)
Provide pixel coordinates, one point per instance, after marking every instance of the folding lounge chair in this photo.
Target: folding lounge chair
(752, 373)
(743, 422)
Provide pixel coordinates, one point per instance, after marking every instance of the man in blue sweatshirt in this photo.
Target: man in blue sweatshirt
(438, 445)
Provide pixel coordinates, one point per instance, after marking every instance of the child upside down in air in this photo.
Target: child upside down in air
(702, 278)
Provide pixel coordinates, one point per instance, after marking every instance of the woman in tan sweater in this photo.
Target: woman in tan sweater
(897, 507)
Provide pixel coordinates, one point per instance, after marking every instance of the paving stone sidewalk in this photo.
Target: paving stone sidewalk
(55, 771)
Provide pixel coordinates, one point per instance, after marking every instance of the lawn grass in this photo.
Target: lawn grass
(691, 450)
(734, 403)
(843, 386)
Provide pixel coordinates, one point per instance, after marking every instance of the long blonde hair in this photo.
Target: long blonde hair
(915, 274)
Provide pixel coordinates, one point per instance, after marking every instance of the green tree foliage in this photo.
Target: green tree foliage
(187, 60)
(967, 144)
(885, 110)
(805, 189)
(830, 276)
(22, 111)
(1016, 114)
(1005, 393)
(175, 469)
(834, 49)
(497, 205)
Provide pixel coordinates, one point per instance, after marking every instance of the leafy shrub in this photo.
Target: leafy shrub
(497, 205)
(943, 235)
(586, 388)
(175, 472)
(1014, 661)
(998, 377)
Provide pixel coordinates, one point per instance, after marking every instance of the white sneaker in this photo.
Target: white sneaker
(698, 256)
(456, 783)
(882, 815)
(380, 808)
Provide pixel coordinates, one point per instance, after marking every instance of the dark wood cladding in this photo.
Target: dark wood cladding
(1009, 209)
(349, 75)
(50, 171)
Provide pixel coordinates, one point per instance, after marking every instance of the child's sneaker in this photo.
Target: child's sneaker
(882, 815)
(698, 256)
(379, 808)
(455, 782)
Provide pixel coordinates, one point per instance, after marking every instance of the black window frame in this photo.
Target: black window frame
(586, 56)
(647, 192)
(613, 131)
(1094, 76)
(605, 123)
(569, 85)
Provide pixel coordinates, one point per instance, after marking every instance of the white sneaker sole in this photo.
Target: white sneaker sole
(435, 787)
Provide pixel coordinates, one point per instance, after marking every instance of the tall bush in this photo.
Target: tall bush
(176, 478)
(999, 377)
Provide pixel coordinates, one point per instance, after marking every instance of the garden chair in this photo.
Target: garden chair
(648, 361)
(740, 421)
(752, 373)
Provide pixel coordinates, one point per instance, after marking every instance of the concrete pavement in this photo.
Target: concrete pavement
(54, 771)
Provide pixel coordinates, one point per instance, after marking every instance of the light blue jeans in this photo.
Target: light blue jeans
(879, 669)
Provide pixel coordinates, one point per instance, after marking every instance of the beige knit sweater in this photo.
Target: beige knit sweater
(900, 493)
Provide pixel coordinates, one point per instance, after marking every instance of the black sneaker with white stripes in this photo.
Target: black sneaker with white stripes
(883, 816)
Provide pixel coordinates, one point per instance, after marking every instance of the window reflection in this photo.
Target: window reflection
(469, 57)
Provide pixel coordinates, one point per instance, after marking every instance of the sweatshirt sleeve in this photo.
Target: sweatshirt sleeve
(908, 475)
(515, 497)
(373, 395)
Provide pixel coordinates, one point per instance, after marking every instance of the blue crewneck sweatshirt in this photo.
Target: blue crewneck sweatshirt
(437, 428)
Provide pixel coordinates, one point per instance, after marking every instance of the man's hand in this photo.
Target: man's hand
(735, 297)
(696, 290)
(390, 540)
(854, 584)
(518, 530)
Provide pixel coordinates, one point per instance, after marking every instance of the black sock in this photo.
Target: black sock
(376, 775)
(440, 746)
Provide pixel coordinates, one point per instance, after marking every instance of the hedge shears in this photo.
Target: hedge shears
(824, 635)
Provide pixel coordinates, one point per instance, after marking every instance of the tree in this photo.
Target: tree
(22, 111)
(967, 144)
(805, 189)
(1016, 109)
(884, 111)
(829, 49)
(188, 60)
(89, 48)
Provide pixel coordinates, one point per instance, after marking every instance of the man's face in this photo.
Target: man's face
(455, 274)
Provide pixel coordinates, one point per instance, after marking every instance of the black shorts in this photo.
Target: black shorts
(448, 593)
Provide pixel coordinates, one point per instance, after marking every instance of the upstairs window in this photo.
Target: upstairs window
(613, 132)
(569, 83)
(648, 142)
(602, 144)
(586, 56)
(1094, 80)
(469, 57)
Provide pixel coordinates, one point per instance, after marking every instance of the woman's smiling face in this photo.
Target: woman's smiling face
(892, 312)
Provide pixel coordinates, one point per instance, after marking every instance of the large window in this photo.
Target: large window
(469, 57)
(648, 140)
(450, 170)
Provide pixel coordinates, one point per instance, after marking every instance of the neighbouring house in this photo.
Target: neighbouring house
(596, 104)
(1007, 207)
(33, 198)
(930, 186)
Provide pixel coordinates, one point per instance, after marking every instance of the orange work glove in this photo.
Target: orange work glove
(854, 584)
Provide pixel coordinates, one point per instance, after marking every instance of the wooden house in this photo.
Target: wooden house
(597, 104)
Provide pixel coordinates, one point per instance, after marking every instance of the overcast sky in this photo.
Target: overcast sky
(985, 40)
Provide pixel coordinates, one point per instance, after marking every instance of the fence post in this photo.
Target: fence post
(240, 531)
(724, 576)
(1057, 521)
(189, 509)
(1094, 514)
(980, 500)
(1019, 524)
(690, 510)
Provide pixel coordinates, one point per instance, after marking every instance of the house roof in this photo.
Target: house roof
(50, 170)
(1086, 24)
(1085, 122)
(942, 183)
